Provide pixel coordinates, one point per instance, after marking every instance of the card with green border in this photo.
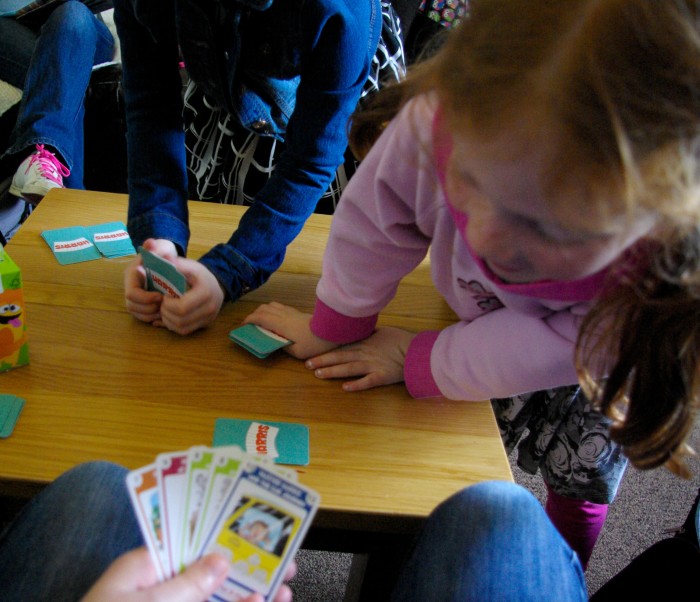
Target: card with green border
(71, 245)
(112, 239)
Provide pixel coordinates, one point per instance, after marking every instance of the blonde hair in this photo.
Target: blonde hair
(616, 84)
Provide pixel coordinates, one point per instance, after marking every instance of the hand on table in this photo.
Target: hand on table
(140, 303)
(377, 360)
(132, 578)
(292, 324)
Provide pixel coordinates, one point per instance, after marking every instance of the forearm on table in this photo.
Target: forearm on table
(500, 354)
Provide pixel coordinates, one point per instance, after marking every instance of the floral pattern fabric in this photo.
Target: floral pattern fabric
(447, 13)
(561, 434)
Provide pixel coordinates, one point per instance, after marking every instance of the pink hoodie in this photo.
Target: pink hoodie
(511, 338)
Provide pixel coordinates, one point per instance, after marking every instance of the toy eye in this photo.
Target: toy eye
(9, 307)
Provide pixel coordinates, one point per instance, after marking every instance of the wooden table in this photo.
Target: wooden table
(102, 385)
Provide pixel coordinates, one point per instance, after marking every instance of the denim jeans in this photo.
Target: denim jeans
(52, 66)
(491, 541)
(66, 537)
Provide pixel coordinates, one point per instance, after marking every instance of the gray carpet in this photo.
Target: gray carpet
(649, 505)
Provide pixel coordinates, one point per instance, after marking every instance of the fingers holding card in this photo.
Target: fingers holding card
(203, 500)
(162, 275)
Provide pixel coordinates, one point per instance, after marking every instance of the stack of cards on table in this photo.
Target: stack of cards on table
(202, 500)
(85, 243)
(258, 340)
(162, 275)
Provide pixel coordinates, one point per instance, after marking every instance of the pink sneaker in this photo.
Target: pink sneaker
(37, 174)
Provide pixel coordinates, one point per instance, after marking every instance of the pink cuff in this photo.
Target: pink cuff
(338, 328)
(416, 370)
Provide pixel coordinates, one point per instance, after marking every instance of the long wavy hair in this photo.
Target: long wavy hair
(616, 86)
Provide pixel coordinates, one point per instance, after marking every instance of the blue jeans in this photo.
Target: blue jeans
(492, 541)
(52, 67)
(66, 537)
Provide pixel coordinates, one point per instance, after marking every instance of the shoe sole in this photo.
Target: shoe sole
(29, 195)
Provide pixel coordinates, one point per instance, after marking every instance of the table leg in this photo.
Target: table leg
(380, 546)
(373, 575)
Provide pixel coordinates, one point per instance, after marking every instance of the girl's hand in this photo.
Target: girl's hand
(162, 247)
(199, 306)
(291, 324)
(378, 360)
(140, 303)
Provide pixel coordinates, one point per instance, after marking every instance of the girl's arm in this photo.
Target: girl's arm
(377, 237)
(338, 42)
(375, 241)
(381, 231)
(500, 354)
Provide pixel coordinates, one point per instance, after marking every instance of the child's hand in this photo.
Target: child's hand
(132, 578)
(199, 306)
(292, 324)
(140, 303)
(378, 360)
(162, 247)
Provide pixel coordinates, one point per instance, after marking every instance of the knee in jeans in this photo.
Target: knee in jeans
(90, 474)
(488, 499)
(74, 17)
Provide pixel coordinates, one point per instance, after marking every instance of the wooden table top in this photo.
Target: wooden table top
(102, 385)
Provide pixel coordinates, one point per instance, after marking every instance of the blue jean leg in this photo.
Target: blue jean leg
(68, 45)
(66, 537)
(492, 541)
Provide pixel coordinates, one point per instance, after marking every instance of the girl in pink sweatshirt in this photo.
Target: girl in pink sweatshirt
(547, 160)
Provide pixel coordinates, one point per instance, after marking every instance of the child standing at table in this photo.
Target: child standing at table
(547, 157)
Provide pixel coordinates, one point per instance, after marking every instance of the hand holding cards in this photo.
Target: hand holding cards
(205, 500)
(162, 275)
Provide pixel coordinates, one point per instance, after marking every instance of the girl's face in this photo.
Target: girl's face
(511, 226)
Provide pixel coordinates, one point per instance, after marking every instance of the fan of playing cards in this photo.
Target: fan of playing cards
(202, 500)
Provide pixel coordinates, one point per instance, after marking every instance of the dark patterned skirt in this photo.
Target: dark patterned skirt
(559, 433)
